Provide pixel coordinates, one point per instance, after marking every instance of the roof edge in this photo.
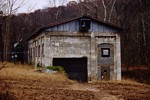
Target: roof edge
(37, 32)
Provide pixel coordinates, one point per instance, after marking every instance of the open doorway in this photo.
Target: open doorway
(76, 68)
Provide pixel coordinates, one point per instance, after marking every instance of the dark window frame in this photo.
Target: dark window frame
(103, 52)
(31, 53)
(36, 51)
(85, 25)
(39, 51)
(43, 50)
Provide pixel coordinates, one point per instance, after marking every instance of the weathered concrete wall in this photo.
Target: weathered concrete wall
(64, 40)
(77, 45)
(114, 61)
(66, 46)
(107, 42)
(34, 48)
(118, 56)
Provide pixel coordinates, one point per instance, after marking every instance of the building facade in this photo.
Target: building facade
(87, 48)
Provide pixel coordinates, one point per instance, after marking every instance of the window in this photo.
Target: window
(85, 25)
(105, 52)
(39, 50)
(43, 50)
(35, 51)
(31, 53)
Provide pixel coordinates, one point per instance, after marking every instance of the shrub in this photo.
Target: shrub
(56, 68)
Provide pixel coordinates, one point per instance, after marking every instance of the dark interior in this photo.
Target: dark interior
(85, 25)
(76, 68)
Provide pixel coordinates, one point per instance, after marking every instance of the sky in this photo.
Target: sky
(32, 5)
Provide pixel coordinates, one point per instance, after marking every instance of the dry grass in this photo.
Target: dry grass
(127, 81)
(12, 70)
(22, 82)
(27, 72)
(124, 81)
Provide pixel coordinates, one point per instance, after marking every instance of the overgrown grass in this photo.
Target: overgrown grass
(28, 72)
(138, 75)
(124, 81)
(22, 82)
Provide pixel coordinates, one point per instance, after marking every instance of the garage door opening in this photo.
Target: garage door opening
(76, 68)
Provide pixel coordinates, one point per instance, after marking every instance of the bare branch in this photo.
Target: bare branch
(4, 65)
(30, 8)
(111, 11)
(105, 9)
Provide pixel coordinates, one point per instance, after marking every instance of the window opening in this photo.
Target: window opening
(105, 52)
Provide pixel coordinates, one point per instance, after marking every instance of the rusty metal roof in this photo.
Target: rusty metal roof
(69, 20)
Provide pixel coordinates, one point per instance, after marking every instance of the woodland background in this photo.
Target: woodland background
(132, 15)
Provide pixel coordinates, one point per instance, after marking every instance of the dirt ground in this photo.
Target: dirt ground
(24, 83)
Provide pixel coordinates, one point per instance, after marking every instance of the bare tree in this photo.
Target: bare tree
(55, 3)
(9, 7)
(112, 10)
(84, 5)
(52, 3)
(97, 7)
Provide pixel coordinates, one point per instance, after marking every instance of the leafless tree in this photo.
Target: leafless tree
(9, 7)
(55, 3)
(107, 7)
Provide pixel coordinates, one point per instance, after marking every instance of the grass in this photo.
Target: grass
(142, 76)
(125, 82)
(19, 82)
(27, 72)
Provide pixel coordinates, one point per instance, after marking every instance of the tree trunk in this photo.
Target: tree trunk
(105, 10)
(111, 11)
(7, 38)
(1, 43)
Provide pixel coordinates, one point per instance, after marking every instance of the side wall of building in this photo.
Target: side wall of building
(36, 50)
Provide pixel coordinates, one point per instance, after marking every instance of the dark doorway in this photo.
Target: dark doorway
(76, 68)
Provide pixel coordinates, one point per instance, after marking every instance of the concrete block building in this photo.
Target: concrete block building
(87, 48)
